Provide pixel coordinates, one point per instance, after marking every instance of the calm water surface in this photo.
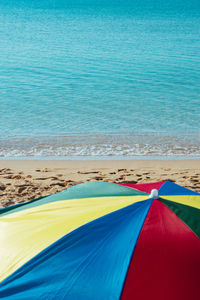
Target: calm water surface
(85, 78)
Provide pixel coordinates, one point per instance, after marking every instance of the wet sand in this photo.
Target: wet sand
(22, 180)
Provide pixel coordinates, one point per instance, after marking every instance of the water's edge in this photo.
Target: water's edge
(101, 146)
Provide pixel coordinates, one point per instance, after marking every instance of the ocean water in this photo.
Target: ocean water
(97, 79)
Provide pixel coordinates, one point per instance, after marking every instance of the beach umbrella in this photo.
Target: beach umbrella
(101, 240)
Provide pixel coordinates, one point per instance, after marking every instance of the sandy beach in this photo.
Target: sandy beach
(22, 180)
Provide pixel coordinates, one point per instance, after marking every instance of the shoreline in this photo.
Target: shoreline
(101, 146)
(101, 158)
(23, 180)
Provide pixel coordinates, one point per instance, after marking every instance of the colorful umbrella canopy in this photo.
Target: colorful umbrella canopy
(103, 240)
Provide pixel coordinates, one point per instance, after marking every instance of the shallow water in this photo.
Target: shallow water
(79, 79)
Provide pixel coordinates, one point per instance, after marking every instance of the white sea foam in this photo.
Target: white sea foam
(99, 146)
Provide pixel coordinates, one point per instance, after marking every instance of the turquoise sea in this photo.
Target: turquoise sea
(91, 79)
